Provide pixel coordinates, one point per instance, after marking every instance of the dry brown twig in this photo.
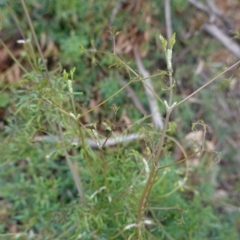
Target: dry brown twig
(226, 41)
(152, 101)
(133, 96)
(212, 29)
(168, 19)
(112, 141)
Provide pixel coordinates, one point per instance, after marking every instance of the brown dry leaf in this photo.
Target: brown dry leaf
(196, 137)
(133, 6)
(13, 46)
(93, 103)
(200, 67)
(220, 194)
(210, 146)
(13, 228)
(124, 119)
(3, 57)
(50, 50)
(48, 47)
(13, 74)
(194, 162)
(196, 21)
(133, 36)
(86, 118)
(125, 42)
(9, 70)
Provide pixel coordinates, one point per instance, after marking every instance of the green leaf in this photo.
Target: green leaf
(65, 75)
(4, 99)
(163, 42)
(72, 72)
(172, 40)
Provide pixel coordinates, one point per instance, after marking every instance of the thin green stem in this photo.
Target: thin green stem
(153, 173)
(161, 227)
(16, 21)
(72, 168)
(12, 56)
(106, 100)
(81, 137)
(73, 103)
(153, 92)
(171, 88)
(56, 106)
(205, 85)
(30, 51)
(100, 104)
(161, 140)
(186, 157)
(34, 36)
(118, 58)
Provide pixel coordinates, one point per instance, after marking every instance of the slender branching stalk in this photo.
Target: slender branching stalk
(72, 168)
(12, 56)
(35, 37)
(208, 83)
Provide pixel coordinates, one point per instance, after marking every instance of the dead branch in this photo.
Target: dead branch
(133, 96)
(223, 38)
(152, 101)
(168, 19)
(112, 141)
(211, 27)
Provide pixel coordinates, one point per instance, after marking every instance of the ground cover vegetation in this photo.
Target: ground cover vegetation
(119, 120)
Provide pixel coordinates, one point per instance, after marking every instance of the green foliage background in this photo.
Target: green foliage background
(38, 195)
